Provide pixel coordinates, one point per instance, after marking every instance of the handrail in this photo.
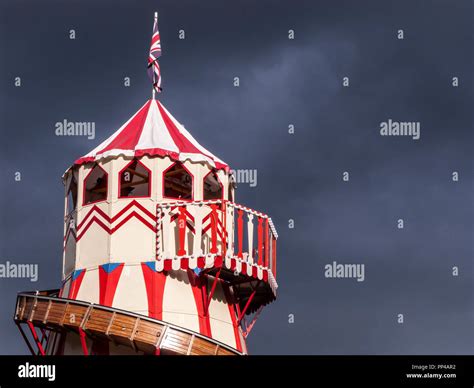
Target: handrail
(219, 202)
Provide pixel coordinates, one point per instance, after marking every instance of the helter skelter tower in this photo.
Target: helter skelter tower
(158, 257)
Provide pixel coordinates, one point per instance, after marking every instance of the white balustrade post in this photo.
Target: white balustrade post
(159, 237)
(166, 243)
(197, 250)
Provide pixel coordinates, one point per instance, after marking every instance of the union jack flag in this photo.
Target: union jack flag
(155, 52)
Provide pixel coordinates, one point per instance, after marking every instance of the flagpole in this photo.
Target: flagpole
(153, 86)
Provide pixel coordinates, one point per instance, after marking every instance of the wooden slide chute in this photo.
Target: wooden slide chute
(46, 312)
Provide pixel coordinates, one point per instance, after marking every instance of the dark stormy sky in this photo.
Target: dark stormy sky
(282, 82)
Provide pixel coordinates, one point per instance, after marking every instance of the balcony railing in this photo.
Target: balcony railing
(200, 230)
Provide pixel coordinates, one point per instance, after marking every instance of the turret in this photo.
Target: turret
(151, 227)
(158, 258)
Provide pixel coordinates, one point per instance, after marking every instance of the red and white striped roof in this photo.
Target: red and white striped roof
(153, 131)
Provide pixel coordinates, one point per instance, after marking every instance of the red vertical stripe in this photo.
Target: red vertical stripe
(198, 285)
(230, 304)
(76, 285)
(155, 288)
(108, 282)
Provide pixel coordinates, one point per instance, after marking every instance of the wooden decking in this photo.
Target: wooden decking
(109, 324)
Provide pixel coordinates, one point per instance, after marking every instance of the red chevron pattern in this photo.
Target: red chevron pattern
(92, 217)
(95, 211)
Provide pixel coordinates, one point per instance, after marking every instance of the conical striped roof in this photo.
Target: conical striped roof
(152, 130)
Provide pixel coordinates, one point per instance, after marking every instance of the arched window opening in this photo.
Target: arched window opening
(95, 185)
(72, 194)
(135, 180)
(212, 186)
(178, 183)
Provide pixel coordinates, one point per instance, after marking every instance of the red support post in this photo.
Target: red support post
(82, 335)
(213, 229)
(260, 241)
(35, 337)
(252, 323)
(242, 313)
(238, 311)
(213, 288)
(26, 339)
(240, 231)
(267, 243)
(182, 230)
(237, 307)
(44, 336)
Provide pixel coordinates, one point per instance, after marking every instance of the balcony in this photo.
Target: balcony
(223, 239)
